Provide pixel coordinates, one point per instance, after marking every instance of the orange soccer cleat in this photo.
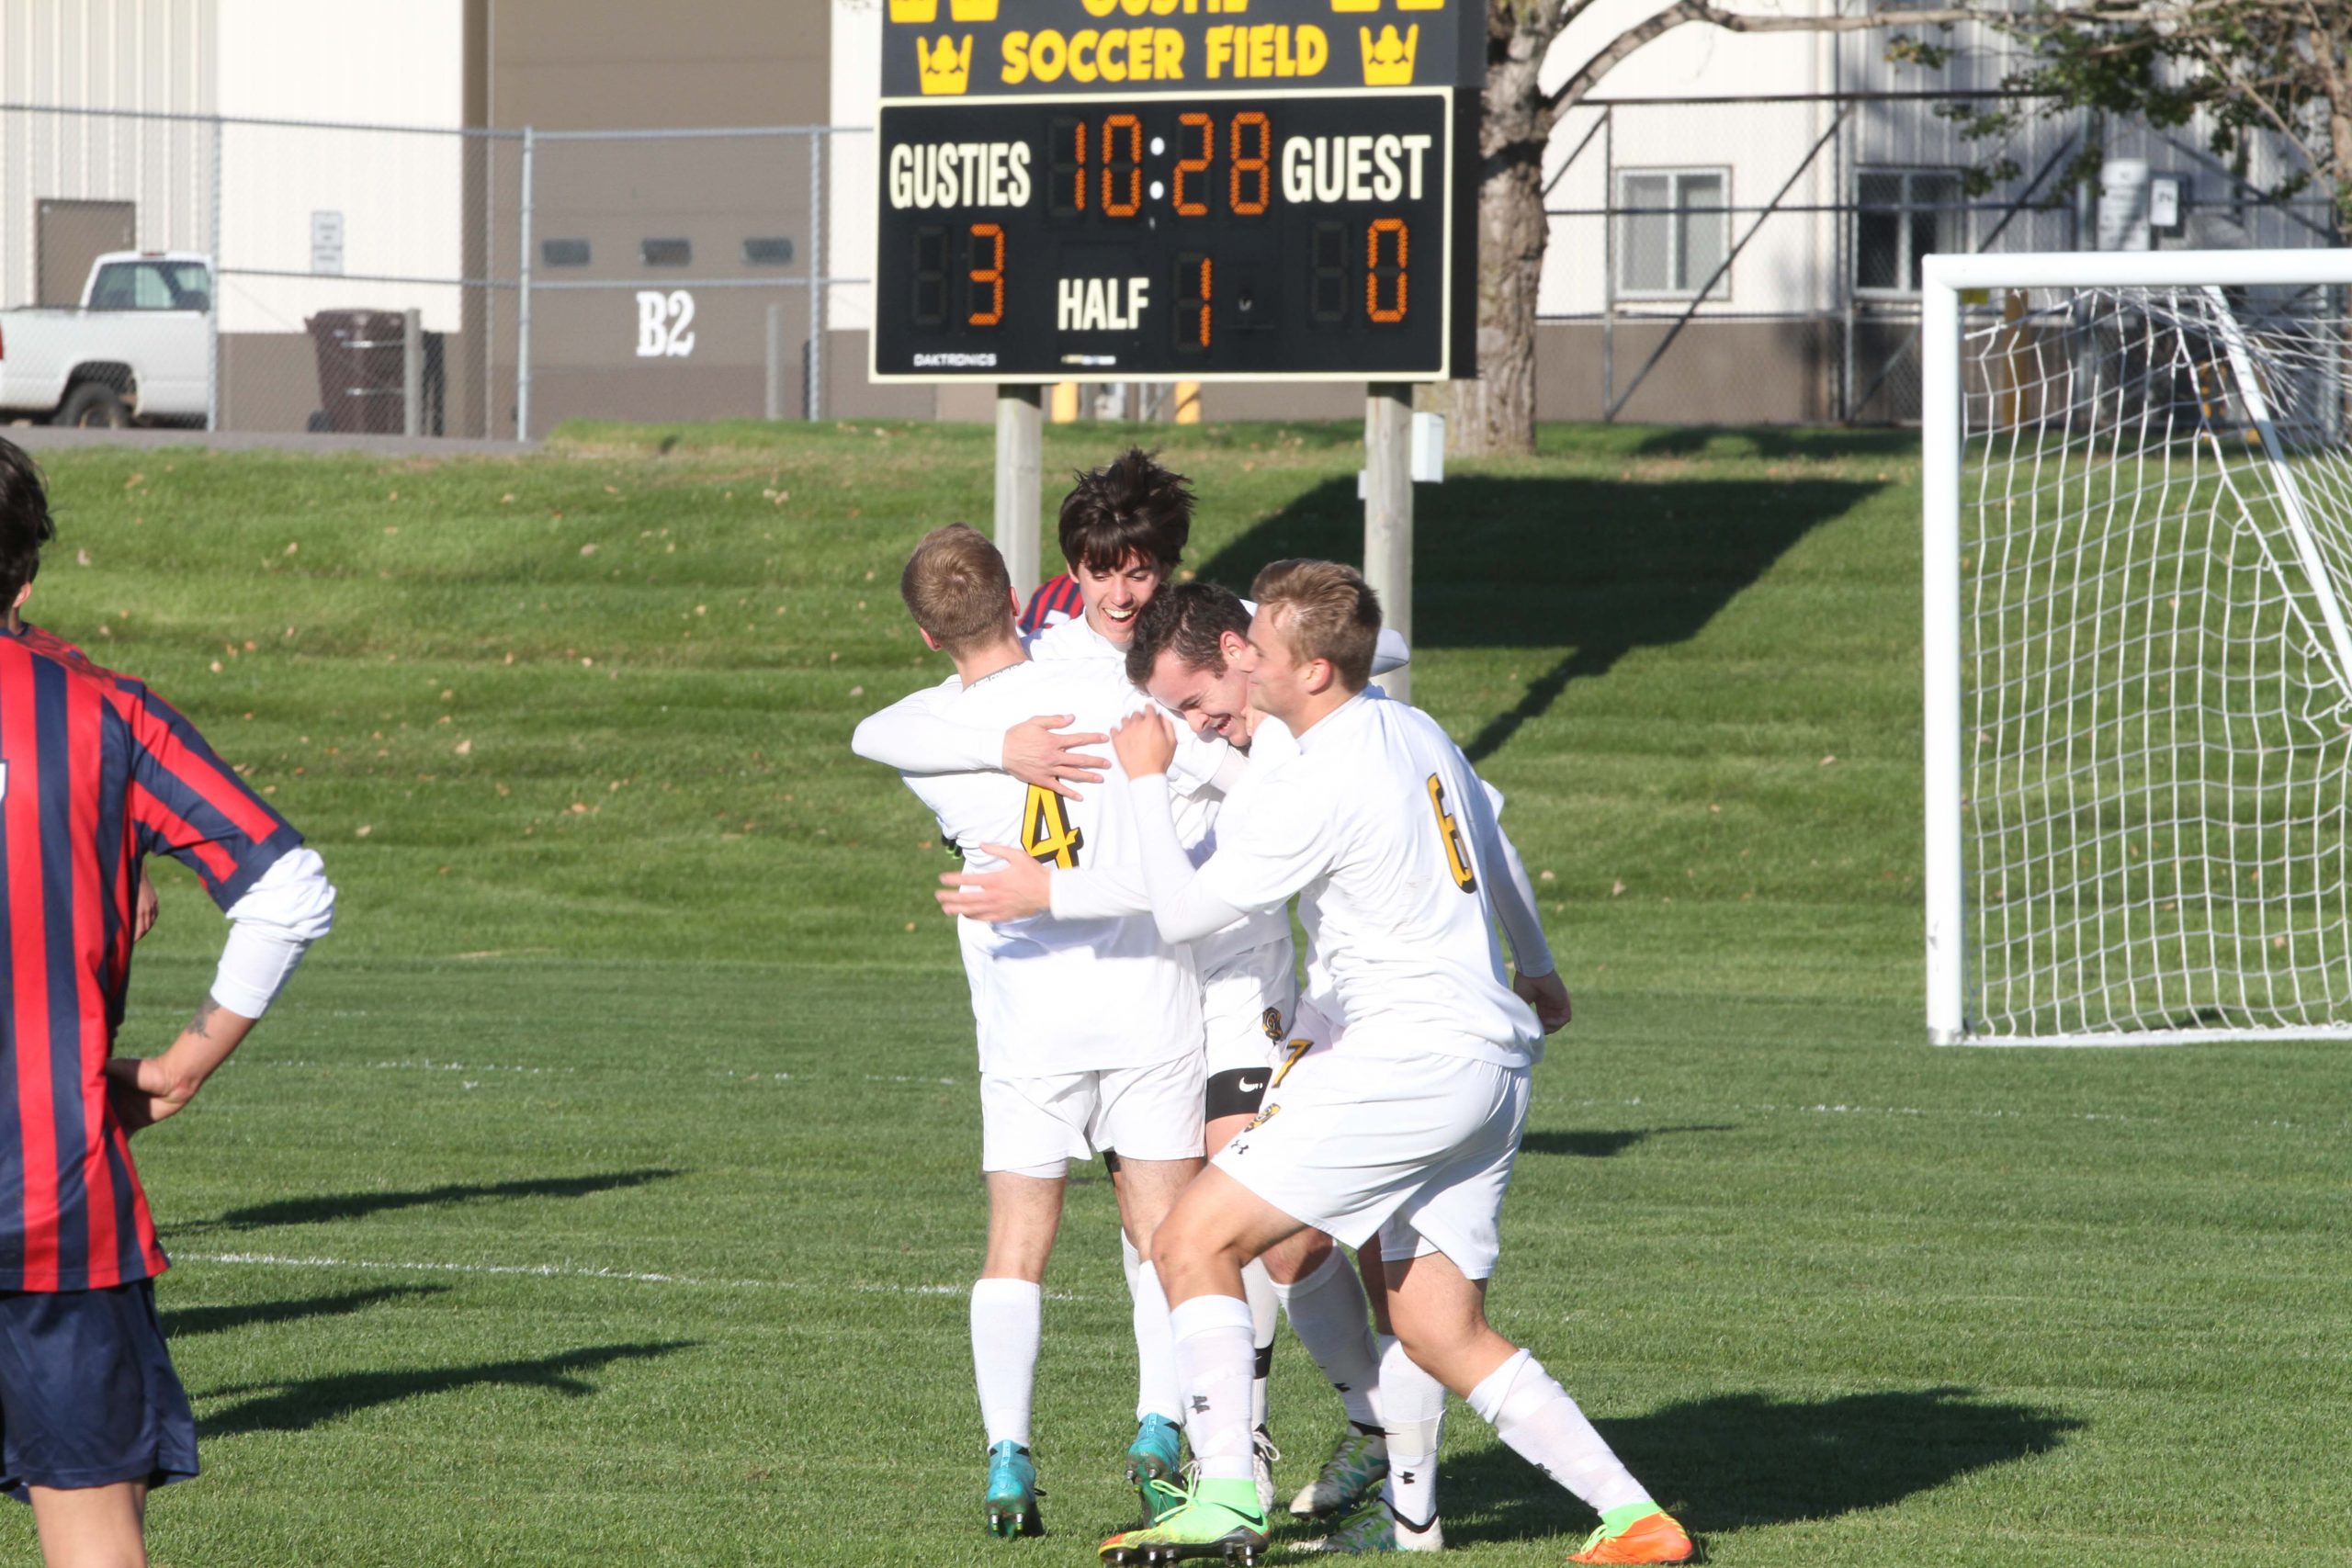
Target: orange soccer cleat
(1654, 1539)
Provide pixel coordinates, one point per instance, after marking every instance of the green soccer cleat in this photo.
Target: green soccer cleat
(1155, 1467)
(1220, 1521)
(1352, 1475)
(1012, 1492)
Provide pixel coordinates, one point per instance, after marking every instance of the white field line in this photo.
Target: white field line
(426, 1065)
(571, 1272)
(1995, 1113)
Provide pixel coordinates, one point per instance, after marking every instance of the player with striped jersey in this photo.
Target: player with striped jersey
(95, 773)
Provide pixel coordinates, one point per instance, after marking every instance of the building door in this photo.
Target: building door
(72, 235)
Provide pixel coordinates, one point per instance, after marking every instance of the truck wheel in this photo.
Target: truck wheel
(93, 405)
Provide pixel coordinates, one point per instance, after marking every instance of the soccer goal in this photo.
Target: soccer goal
(2138, 646)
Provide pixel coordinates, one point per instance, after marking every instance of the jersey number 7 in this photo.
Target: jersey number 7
(1046, 833)
(1457, 861)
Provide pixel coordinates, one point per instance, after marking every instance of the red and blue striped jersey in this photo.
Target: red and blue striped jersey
(1057, 595)
(95, 773)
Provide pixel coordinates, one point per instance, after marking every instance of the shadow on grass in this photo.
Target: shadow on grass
(1740, 1459)
(297, 1406)
(1601, 566)
(359, 1205)
(183, 1323)
(1601, 1145)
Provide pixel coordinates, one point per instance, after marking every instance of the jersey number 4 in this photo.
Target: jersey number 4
(1046, 833)
(1457, 861)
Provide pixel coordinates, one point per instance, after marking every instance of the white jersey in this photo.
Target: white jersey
(1076, 639)
(1380, 828)
(1198, 817)
(1197, 759)
(1053, 997)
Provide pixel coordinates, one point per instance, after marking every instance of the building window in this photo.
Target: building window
(1901, 217)
(767, 253)
(665, 252)
(1673, 231)
(565, 253)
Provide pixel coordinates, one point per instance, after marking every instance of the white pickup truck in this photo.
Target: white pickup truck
(138, 348)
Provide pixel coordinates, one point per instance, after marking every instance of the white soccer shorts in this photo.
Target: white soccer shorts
(1036, 1126)
(1417, 1150)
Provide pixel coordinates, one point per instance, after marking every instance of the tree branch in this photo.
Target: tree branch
(1585, 78)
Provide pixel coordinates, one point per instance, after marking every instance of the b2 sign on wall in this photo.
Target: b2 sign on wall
(664, 323)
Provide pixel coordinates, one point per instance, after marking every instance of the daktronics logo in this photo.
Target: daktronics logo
(954, 361)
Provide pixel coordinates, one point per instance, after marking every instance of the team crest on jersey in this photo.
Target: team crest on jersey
(1272, 1022)
(1262, 1117)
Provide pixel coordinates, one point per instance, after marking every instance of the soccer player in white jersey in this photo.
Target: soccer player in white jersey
(1404, 1128)
(1123, 528)
(1088, 1029)
(1183, 653)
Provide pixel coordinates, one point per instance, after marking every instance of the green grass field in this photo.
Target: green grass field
(603, 1189)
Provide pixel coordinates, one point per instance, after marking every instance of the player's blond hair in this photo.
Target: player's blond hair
(957, 588)
(1323, 610)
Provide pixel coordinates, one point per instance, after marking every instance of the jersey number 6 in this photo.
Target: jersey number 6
(1046, 833)
(1457, 861)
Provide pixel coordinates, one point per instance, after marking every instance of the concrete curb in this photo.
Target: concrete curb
(33, 437)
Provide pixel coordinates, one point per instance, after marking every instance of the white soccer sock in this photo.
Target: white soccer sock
(1129, 1260)
(1412, 1413)
(1329, 1315)
(1265, 1320)
(1158, 1392)
(1534, 1415)
(1008, 1315)
(1213, 1354)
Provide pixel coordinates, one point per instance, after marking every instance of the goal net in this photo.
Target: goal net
(2148, 689)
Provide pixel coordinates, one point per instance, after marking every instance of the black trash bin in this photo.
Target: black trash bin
(359, 373)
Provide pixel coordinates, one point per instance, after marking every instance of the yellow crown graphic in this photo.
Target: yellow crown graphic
(972, 10)
(1389, 62)
(922, 13)
(946, 63)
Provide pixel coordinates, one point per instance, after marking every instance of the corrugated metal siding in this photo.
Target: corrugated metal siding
(150, 55)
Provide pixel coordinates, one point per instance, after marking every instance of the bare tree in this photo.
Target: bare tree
(1497, 412)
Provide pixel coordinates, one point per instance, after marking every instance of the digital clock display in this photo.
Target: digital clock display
(1198, 236)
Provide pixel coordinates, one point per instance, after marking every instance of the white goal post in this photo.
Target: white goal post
(2138, 569)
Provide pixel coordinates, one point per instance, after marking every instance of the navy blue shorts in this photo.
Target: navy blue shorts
(87, 1394)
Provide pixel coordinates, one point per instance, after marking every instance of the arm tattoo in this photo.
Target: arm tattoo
(200, 1024)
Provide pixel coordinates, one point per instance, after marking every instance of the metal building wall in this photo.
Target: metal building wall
(156, 56)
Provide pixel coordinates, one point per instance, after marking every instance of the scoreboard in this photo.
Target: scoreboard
(1176, 189)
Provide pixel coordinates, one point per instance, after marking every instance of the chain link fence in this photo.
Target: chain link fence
(402, 280)
(1756, 259)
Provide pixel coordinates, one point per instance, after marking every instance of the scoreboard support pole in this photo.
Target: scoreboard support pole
(1020, 467)
(1388, 514)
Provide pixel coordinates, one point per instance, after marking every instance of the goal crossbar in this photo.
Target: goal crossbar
(1950, 285)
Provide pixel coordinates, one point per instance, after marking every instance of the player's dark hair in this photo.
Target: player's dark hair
(24, 525)
(1131, 506)
(957, 588)
(1323, 610)
(1187, 620)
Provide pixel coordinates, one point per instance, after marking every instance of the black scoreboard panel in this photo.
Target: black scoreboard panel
(1205, 236)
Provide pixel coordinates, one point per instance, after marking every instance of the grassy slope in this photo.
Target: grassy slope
(637, 974)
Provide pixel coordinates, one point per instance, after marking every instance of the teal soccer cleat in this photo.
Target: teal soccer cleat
(1155, 1467)
(1012, 1492)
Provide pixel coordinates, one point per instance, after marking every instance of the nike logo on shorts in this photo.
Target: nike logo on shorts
(1247, 1088)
